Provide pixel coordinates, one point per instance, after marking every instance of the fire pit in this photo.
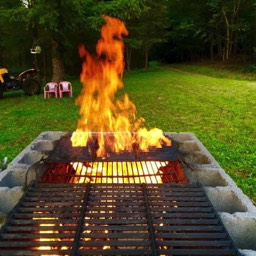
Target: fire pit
(84, 165)
(139, 192)
(72, 210)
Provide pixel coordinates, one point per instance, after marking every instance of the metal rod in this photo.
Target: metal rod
(150, 222)
(81, 221)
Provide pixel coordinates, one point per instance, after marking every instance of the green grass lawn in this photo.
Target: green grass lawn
(219, 111)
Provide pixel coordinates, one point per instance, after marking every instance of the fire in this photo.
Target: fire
(101, 110)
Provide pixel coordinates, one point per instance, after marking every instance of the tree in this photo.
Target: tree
(56, 19)
(153, 26)
(181, 30)
(147, 29)
(146, 21)
(130, 12)
(14, 47)
(188, 29)
(227, 13)
(215, 28)
(62, 18)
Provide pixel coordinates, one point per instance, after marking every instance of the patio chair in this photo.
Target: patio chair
(65, 87)
(51, 88)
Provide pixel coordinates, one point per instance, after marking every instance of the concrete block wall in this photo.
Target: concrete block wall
(235, 209)
(19, 172)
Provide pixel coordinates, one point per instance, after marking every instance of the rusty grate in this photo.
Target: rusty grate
(114, 219)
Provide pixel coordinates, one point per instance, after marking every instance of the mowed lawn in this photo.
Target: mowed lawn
(219, 111)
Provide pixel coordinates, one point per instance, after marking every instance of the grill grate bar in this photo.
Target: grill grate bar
(206, 252)
(156, 214)
(34, 252)
(115, 219)
(149, 221)
(117, 252)
(80, 224)
(32, 243)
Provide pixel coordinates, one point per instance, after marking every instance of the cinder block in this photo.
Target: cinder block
(208, 177)
(225, 200)
(17, 177)
(43, 145)
(242, 229)
(188, 146)
(9, 197)
(197, 159)
(181, 136)
(51, 135)
(31, 157)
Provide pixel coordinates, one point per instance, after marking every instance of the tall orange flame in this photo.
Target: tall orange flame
(101, 110)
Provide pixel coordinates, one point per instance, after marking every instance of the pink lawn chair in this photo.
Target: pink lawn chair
(65, 87)
(51, 88)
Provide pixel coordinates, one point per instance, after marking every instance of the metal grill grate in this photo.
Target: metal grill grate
(114, 219)
(109, 172)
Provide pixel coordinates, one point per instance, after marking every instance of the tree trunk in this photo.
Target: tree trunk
(146, 58)
(128, 52)
(57, 64)
(219, 41)
(227, 41)
(230, 21)
(211, 49)
(57, 49)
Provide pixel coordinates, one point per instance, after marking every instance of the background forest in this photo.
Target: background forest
(163, 30)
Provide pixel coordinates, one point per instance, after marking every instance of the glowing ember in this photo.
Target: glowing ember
(117, 172)
(101, 110)
(46, 240)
